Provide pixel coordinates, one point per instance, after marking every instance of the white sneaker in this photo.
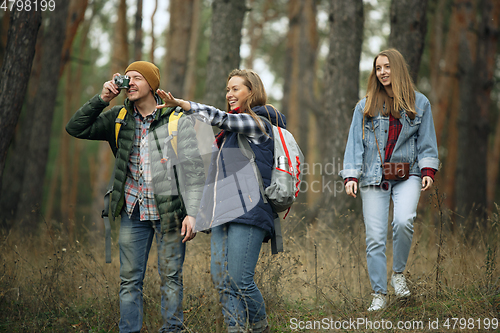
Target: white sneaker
(398, 281)
(379, 302)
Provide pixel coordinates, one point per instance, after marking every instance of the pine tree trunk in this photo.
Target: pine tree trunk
(13, 173)
(224, 53)
(436, 48)
(445, 72)
(408, 29)
(488, 43)
(77, 147)
(28, 211)
(178, 42)
(138, 32)
(120, 41)
(340, 98)
(478, 45)
(444, 78)
(4, 32)
(255, 26)
(104, 159)
(76, 14)
(259, 14)
(153, 39)
(299, 80)
(16, 68)
(493, 167)
(190, 80)
(448, 174)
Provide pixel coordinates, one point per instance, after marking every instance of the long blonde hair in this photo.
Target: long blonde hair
(257, 97)
(402, 88)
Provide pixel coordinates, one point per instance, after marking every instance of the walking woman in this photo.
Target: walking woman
(392, 124)
(241, 219)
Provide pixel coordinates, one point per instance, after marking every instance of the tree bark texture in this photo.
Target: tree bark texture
(255, 26)
(16, 69)
(178, 42)
(408, 29)
(120, 55)
(190, 77)
(487, 50)
(449, 170)
(341, 93)
(4, 32)
(260, 12)
(138, 32)
(224, 52)
(153, 39)
(105, 162)
(444, 53)
(13, 173)
(300, 76)
(36, 161)
(436, 46)
(78, 144)
(478, 45)
(76, 14)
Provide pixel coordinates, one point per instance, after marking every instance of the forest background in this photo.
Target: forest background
(314, 57)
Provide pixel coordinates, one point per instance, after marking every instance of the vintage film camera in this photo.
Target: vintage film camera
(122, 81)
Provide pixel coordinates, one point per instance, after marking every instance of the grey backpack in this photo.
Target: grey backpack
(286, 174)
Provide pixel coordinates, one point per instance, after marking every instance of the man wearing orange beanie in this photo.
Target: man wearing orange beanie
(145, 214)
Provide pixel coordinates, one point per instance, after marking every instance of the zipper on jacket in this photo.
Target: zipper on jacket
(216, 178)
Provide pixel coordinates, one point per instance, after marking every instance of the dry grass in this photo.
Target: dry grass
(48, 285)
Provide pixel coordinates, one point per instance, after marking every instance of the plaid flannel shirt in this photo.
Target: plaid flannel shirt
(237, 122)
(139, 186)
(395, 127)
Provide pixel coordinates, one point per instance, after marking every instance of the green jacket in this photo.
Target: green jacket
(90, 123)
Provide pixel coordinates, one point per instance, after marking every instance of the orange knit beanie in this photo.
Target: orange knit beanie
(150, 72)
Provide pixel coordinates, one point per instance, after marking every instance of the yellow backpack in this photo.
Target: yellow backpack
(173, 120)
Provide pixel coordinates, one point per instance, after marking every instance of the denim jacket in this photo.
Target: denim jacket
(416, 143)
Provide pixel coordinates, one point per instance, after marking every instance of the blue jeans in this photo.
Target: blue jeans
(405, 195)
(135, 242)
(235, 252)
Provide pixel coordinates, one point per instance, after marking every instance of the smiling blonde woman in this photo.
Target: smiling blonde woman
(391, 124)
(241, 220)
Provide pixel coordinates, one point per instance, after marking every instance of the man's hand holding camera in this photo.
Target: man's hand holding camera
(111, 89)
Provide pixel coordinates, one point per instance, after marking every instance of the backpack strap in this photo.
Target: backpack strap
(173, 122)
(105, 216)
(119, 122)
(247, 151)
(109, 189)
(172, 125)
(277, 238)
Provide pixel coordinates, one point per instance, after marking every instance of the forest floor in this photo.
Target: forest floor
(319, 284)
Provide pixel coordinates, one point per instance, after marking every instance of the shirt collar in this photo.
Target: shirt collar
(137, 114)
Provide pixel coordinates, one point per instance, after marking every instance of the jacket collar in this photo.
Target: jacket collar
(159, 113)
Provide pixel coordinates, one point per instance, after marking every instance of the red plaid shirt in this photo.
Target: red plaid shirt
(395, 127)
(139, 186)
